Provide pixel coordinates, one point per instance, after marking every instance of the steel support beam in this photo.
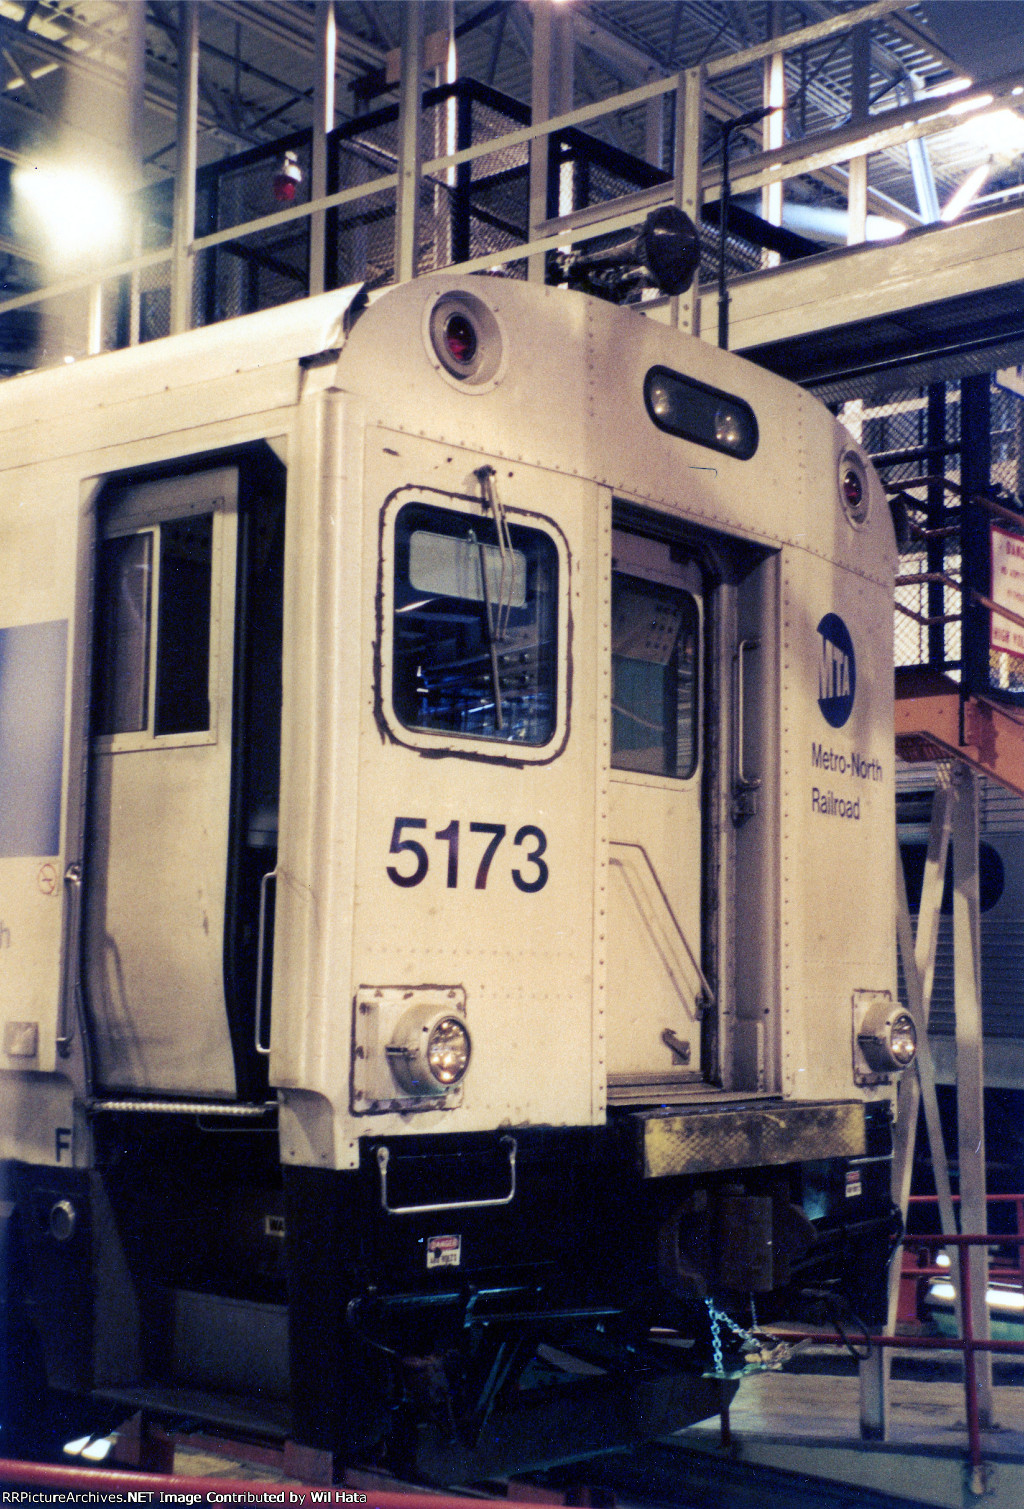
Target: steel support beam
(838, 288)
(540, 146)
(94, 321)
(323, 123)
(773, 134)
(917, 1087)
(969, 1062)
(857, 191)
(804, 36)
(186, 154)
(409, 107)
(920, 164)
(135, 86)
(689, 142)
(975, 475)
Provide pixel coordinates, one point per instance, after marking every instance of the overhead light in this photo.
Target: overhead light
(825, 223)
(77, 210)
(947, 86)
(1001, 132)
(967, 107)
(966, 193)
(92, 1448)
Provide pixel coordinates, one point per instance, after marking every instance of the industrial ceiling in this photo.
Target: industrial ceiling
(99, 81)
(64, 62)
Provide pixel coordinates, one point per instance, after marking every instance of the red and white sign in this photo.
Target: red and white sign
(1008, 591)
(444, 1252)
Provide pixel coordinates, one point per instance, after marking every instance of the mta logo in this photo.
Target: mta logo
(837, 671)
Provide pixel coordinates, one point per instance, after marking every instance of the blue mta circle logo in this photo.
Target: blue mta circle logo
(837, 671)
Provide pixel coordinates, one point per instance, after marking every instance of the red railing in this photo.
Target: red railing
(915, 1267)
(967, 1344)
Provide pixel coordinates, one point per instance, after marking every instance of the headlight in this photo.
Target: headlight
(429, 1051)
(903, 1040)
(683, 406)
(448, 1051)
(887, 1037)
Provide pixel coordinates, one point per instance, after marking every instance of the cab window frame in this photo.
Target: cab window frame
(475, 743)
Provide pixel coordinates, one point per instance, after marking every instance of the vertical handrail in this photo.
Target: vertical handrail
(743, 781)
(69, 965)
(263, 1049)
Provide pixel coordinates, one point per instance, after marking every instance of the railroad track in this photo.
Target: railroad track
(664, 1475)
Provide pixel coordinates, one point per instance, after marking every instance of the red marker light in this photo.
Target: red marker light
(853, 489)
(286, 179)
(460, 338)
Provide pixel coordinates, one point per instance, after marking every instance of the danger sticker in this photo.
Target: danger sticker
(444, 1252)
(853, 1184)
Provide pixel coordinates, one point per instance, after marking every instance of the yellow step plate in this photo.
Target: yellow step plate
(747, 1135)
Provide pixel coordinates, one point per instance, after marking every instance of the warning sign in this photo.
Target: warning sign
(444, 1252)
(1008, 592)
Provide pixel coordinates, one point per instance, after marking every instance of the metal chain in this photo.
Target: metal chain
(760, 1353)
(716, 1339)
(721, 1317)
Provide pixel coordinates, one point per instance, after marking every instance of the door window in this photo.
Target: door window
(162, 576)
(475, 626)
(655, 633)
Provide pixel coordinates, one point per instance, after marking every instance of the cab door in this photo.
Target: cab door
(184, 771)
(656, 991)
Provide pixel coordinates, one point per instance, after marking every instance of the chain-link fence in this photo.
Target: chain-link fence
(915, 439)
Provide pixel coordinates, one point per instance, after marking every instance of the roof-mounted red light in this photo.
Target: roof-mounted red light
(464, 339)
(460, 338)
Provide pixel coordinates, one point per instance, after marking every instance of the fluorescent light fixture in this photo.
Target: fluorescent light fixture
(884, 228)
(948, 86)
(967, 107)
(825, 223)
(966, 193)
(1000, 132)
(997, 1298)
(78, 211)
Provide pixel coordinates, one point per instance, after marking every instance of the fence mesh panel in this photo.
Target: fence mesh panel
(913, 437)
(910, 441)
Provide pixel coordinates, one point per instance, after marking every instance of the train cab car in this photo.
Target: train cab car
(446, 873)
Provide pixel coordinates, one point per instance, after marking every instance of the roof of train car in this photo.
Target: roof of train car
(594, 362)
(291, 331)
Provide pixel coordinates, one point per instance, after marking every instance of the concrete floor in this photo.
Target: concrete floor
(809, 1422)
